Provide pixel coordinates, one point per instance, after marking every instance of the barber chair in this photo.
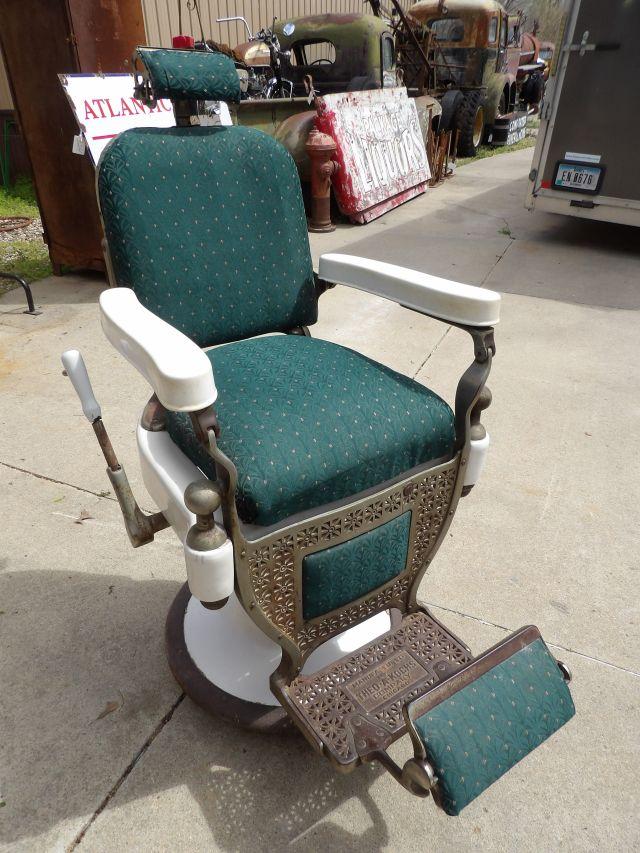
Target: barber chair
(310, 486)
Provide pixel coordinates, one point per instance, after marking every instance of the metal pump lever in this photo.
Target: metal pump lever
(140, 527)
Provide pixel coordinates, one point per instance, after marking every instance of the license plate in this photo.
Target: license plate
(584, 179)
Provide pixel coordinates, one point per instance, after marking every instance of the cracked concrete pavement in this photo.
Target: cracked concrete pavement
(99, 748)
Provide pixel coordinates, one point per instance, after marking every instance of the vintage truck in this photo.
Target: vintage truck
(472, 56)
(325, 54)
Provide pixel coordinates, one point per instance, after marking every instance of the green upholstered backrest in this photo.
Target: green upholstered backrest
(207, 225)
(191, 74)
(484, 729)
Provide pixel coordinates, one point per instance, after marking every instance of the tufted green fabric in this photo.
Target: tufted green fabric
(206, 224)
(191, 74)
(307, 422)
(343, 573)
(483, 730)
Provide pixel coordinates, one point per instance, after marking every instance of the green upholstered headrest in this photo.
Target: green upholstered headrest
(191, 74)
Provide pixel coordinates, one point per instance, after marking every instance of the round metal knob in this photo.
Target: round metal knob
(202, 497)
(418, 777)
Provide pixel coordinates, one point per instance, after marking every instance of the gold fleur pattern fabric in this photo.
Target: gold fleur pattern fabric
(307, 422)
(341, 574)
(207, 225)
(483, 730)
(191, 74)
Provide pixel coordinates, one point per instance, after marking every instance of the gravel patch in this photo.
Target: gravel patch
(31, 232)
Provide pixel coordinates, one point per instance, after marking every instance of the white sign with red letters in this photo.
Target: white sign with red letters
(104, 106)
(381, 149)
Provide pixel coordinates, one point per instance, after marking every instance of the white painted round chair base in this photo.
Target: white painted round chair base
(223, 661)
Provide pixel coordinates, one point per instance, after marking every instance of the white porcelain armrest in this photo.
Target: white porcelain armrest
(176, 368)
(437, 297)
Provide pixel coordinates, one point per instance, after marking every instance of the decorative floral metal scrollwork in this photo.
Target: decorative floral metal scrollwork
(324, 701)
(274, 564)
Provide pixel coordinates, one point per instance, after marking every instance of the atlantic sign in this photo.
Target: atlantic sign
(104, 106)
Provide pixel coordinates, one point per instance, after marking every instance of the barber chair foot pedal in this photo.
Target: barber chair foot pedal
(470, 720)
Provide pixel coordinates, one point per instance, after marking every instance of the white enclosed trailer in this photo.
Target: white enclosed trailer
(587, 157)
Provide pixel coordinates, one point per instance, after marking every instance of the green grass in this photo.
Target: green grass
(487, 151)
(27, 258)
(19, 199)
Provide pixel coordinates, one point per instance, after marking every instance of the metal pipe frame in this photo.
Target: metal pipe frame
(32, 310)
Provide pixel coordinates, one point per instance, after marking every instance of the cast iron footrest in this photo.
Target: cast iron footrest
(352, 709)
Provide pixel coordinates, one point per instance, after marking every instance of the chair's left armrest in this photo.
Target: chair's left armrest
(440, 298)
(177, 369)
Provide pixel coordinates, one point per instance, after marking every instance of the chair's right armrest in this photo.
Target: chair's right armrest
(449, 301)
(176, 368)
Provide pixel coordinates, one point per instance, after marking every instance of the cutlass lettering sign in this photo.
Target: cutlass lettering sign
(381, 150)
(104, 106)
(517, 130)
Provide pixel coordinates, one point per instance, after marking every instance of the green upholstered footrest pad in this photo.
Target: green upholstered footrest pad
(480, 722)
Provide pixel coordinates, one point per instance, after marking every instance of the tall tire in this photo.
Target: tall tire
(450, 103)
(533, 90)
(469, 120)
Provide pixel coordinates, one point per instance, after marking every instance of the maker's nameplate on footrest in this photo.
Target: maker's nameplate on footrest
(394, 675)
(372, 684)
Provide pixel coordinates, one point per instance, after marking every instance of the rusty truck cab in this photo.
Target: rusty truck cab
(340, 53)
(471, 44)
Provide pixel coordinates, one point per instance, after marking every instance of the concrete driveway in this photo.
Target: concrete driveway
(99, 748)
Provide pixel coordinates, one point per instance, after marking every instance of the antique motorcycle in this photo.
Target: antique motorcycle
(263, 81)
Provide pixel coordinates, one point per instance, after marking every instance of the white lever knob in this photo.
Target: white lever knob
(77, 372)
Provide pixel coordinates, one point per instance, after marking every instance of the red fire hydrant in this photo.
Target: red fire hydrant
(320, 147)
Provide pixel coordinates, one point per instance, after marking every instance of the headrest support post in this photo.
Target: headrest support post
(186, 112)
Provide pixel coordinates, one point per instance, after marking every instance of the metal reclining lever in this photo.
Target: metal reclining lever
(141, 527)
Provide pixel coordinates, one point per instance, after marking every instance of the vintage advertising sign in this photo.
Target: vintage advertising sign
(104, 106)
(510, 132)
(381, 150)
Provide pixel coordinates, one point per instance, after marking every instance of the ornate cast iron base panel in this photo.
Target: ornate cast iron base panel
(352, 709)
(248, 715)
(269, 569)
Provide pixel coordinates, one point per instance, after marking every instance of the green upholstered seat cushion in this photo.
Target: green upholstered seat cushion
(307, 422)
(485, 728)
(191, 74)
(338, 575)
(207, 225)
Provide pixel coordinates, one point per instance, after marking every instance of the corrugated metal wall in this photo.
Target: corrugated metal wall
(161, 21)
(161, 16)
